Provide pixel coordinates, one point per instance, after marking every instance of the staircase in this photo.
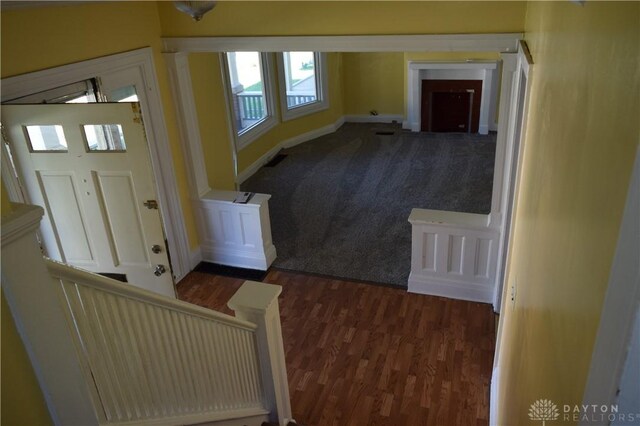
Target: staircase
(108, 353)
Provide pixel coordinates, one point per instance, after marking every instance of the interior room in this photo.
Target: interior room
(320, 212)
(356, 164)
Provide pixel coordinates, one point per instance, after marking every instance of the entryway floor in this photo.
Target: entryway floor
(361, 354)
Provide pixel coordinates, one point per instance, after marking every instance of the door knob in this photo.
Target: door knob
(160, 269)
(156, 248)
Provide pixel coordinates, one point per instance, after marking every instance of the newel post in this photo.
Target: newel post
(33, 298)
(258, 303)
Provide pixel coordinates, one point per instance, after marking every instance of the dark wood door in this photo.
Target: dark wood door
(450, 111)
(449, 100)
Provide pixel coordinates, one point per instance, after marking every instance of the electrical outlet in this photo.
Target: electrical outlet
(513, 291)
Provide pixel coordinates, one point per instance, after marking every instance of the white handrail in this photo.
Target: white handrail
(67, 272)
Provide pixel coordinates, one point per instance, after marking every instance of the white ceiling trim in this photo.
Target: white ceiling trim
(504, 42)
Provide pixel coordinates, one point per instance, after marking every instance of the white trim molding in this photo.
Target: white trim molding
(621, 305)
(487, 71)
(380, 118)
(243, 138)
(154, 119)
(516, 85)
(32, 296)
(322, 88)
(237, 234)
(187, 118)
(504, 42)
(452, 255)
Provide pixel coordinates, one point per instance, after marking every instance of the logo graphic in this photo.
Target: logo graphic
(543, 410)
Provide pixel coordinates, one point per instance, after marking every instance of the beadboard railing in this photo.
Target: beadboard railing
(109, 353)
(155, 358)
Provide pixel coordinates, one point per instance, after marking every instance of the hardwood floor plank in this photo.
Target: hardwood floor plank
(360, 354)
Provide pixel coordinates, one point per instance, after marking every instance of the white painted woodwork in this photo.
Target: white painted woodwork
(506, 42)
(135, 68)
(516, 83)
(380, 118)
(93, 200)
(41, 321)
(153, 357)
(487, 71)
(236, 234)
(187, 118)
(452, 255)
(621, 306)
(258, 303)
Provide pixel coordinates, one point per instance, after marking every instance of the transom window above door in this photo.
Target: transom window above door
(250, 91)
(303, 83)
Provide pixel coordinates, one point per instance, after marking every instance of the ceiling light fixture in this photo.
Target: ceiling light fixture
(195, 9)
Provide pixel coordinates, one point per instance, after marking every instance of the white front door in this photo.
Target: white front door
(88, 166)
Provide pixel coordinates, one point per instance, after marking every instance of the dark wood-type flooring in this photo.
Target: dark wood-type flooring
(361, 354)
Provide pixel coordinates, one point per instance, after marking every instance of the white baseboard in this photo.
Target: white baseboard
(382, 118)
(288, 143)
(316, 133)
(493, 397)
(239, 259)
(449, 288)
(483, 129)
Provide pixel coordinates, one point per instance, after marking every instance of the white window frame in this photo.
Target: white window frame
(244, 138)
(322, 94)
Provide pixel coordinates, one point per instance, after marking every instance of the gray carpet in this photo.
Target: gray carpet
(340, 203)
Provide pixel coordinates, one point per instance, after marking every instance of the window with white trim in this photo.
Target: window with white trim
(303, 83)
(250, 89)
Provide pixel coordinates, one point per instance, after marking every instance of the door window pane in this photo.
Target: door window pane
(104, 137)
(46, 138)
(300, 78)
(247, 89)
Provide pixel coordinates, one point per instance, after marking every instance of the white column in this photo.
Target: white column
(258, 303)
(36, 307)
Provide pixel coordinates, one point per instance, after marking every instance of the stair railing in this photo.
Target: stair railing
(142, 358)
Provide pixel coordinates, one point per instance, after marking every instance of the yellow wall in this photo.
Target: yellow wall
(22, 401)
(582, 137)
(373, 81)
(212, 116)
(241, 18)
(379, 80)
(208, 92)
(39, 38)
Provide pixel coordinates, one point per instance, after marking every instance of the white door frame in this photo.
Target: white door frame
(141, 60)
(621, 305)
(517, 74)
(510, 155)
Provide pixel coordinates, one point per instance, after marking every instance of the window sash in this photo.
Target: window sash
(305, 108)
(243, 137)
